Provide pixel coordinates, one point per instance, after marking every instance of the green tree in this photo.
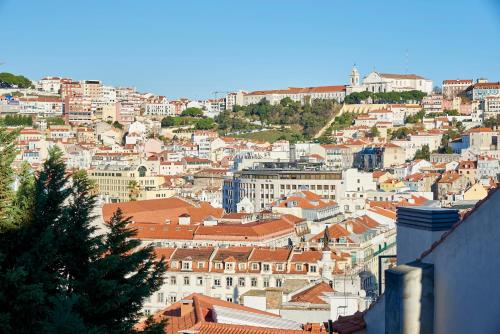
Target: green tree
(205, 124)
(374, 132)
(192, 112)
(57, 274)
(423, 153)
(117, 125)
(167, 122)
(7, 155)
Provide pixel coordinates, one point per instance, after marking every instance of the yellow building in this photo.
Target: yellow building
(121, 184)
(391, 185)
(476, 192)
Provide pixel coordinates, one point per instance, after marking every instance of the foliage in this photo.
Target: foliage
(343, 121)
(192, 112)
(417, 118)
(449, 135)
(423, 153)
(374, 132)
(57, 275)
(170, 121)
(117, 125)
(55, 121)
(17, 120)
(401, 133)
(310, 117)
(228, 121)
(205, 124)
(7, 155)
(11, 80)
(492, 122)
(388, 97)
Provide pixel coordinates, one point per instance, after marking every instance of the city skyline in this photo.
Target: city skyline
(194, 54)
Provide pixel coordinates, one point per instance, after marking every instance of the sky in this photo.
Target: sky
(192, 48)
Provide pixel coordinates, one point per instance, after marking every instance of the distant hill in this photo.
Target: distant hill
(9, 80)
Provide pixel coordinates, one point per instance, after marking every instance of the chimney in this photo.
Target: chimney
(419, 227)
(186, 307)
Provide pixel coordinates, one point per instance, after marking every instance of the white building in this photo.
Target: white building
(386, 82)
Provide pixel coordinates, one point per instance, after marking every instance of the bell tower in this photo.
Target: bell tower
(354, 77)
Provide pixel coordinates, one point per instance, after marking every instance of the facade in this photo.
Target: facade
(301, 95)
(270, 181)
(41, 106)
(385, 82)
(454, 88)
(121, 184)
(78, 109)
(482, 90)
(227, 273)
(491, 106)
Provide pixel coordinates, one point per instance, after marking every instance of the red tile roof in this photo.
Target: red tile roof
(313, 294)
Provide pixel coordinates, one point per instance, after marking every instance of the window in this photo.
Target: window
(174, 264)
(229, 265)
(173, 298)
(279, 282)
(279, 267)
(217, 282)
(173, 280)
(266, 282)
(312, 269)
(201, 265)
(266, 267)
(160, 298)
(186, 265)
(255, 266)
(147, 312)
(229, 281)
(218, 265)
(298, 266)
(253, 282)
(186, 280)
(229, 298)
(241, 281)
(199, 280)
(242, 266)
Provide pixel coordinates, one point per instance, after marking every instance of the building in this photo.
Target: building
(482, 90)
(267, 182)
(92, 89)
(435, 287)
(157, 107)
(385, 82)
(454, 88)
(198, 313)
(121, 183)
(297, 94)
(41, 106)
(78, 109)
(432, 103)
(491, 106)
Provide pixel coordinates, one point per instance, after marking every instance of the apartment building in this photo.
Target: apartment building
(267, 182)
(78, 109)
(124, 183)
(453, 88)
(227, 273)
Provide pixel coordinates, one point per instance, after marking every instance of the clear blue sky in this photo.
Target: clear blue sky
(192, 48)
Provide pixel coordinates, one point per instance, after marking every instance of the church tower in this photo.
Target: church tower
(354, 77)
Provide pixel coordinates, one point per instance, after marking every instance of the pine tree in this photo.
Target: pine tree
(57, 275)
(121, 279)
(7, 155)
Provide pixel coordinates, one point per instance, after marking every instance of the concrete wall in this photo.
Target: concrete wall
(415, 242)
(467, 268)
